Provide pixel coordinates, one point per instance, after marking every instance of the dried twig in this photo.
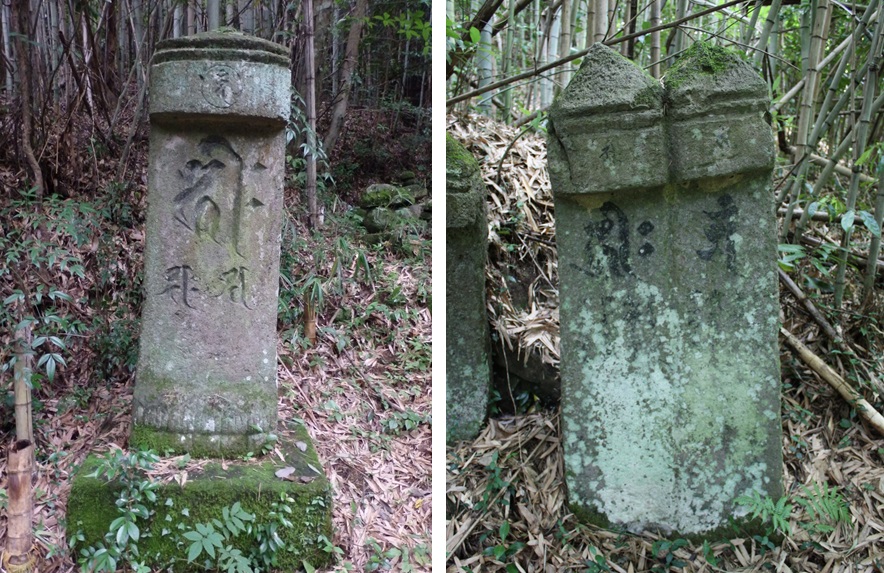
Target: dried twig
(862, 406)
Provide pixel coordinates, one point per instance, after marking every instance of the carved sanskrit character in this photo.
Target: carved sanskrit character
(180, 279)
(233, 284)
(611, 235)
(203, 206)
(721, 229)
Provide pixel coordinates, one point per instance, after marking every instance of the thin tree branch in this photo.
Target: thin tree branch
(469, 95)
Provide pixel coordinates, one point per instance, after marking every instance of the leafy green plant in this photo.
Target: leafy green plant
(398, 422)
(495, 482)
(663, 551)
(768, 510)
(384, 559)
(503, 551)
(135, 503)
(597, 562)
(825, 506)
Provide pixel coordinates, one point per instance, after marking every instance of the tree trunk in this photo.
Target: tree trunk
(351, 59)
(19, 535)
(213, 16)
(859, 148)
(655, 39)
(310, 104)
(6, 21)
(22, 52)
(600, 20)
(565, 42)
(484, 68)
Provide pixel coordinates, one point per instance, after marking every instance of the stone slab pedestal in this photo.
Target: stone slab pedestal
(467, 345)
(204, 496)
(667, 247)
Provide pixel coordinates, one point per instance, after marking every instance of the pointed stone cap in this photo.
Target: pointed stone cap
(220, 77)
(717, 110)
(464, 188)
(606, 129)
(607, 82)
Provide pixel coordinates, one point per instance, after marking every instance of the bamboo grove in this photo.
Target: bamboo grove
(63, 58)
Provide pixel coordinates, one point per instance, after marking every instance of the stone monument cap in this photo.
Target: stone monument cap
(719, 125)
(197, 78)
(608, 123)
(465, 191)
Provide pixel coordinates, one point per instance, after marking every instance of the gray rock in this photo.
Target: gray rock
(384, 195)
(467, 344)
(410, 212)
(666, 239)
(528, 372)
(417, 191)
(380, 219)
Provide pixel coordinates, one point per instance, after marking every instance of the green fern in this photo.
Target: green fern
(825, 506)
(777, 513)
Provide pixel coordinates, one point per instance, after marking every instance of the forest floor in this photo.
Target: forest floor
(505, 491)
(363, 390)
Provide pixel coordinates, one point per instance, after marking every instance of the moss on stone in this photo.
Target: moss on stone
(383, 195)
(736, 527)
(195, 444)
(155, 388)
(91, 505)
(459, 163)
(700, 58)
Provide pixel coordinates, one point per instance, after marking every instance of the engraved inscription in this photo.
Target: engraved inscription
(607, 245)
(720, 231)
(180, 281)
(230, 284)
(644, 230)
(211, 203)
(214, 205)
(222, 85)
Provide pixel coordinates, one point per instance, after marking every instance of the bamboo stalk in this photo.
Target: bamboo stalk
(858, 149)
(19, 535)
(24, 425)
(310, 104)
(772, 16)
(856, 259)
(875, 246)
(655, 39)
(860, 404)
(811, 308)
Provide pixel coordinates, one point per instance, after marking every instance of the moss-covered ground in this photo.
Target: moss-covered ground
(200, 494)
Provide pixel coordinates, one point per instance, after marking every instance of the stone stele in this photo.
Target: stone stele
(467, 346)
(666, 240)
(206, 379)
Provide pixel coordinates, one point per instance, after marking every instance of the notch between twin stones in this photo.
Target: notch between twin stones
(638, 132)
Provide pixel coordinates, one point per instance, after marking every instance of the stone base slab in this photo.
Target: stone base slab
(206, 492)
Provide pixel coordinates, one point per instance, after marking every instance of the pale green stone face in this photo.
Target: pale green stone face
(670, 370)
(207, 364)
(467, 346)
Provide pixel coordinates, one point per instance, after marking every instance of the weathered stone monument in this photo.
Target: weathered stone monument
(666, 242)
(467, 346)
(206, 378)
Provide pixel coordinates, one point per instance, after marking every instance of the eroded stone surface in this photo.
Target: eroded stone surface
(670, 370)
(467, 350)
(207, 365)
